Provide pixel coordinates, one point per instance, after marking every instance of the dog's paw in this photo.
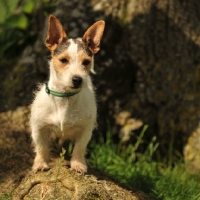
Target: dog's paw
(40, 166)
(79, 167)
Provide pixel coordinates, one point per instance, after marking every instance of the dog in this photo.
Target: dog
(66, 104)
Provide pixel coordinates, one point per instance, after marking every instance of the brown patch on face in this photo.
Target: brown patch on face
(61, 62)
(86, 61)
(62, 57)
(84, 54)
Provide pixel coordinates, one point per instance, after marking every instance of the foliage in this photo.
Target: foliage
(6, 196)
(141, 172)
(16, 20)
(60, 162)
(13, 23)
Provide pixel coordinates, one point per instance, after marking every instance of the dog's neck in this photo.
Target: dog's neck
(60, 94)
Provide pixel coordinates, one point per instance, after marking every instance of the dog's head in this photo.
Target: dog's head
(72, 59)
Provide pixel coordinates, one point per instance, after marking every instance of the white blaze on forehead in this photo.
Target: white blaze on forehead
(72, 51)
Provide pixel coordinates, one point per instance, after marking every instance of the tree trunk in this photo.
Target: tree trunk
(154, 72)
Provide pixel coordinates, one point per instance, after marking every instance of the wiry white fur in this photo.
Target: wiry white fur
(72, 117)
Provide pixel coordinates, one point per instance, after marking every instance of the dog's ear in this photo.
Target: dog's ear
(55, 33)
(93, 35)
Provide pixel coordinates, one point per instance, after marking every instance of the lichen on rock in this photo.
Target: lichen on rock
(68, 184)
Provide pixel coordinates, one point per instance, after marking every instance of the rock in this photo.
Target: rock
(15, 121)
(63, 183)
(191, 152)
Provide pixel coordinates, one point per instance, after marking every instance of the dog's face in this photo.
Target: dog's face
(72, 59)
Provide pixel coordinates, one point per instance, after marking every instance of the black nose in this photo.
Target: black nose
(76, 80)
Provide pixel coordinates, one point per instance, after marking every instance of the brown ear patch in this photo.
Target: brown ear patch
(55, 33)
(93, 35)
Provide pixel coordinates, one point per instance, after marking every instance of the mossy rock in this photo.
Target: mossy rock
(63, 183)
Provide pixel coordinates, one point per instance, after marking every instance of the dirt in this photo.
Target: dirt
(16, 158)
(16, 152)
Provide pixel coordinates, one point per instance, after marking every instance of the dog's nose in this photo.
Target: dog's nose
(76, 80)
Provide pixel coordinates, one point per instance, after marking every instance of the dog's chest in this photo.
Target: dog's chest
(57, 117)
(67, 117)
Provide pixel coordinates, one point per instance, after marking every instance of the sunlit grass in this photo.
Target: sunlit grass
(141, 172)
(5, 197)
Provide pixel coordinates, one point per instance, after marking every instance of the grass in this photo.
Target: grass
(61, 159)
(140, 171)
(6, 196)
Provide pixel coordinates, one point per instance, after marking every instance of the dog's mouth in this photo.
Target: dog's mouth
(75, 87)
(72, 89)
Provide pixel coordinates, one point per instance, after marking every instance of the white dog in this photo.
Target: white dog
(66, 103)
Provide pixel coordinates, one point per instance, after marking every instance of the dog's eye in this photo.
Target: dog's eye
(86, 62)
(63, 60)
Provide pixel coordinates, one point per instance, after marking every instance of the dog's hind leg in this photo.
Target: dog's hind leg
(78, 162)
(41, 142)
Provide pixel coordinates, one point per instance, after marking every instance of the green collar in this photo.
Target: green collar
(59, 94)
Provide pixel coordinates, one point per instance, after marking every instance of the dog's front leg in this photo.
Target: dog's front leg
(41, 139)
(78, 162)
